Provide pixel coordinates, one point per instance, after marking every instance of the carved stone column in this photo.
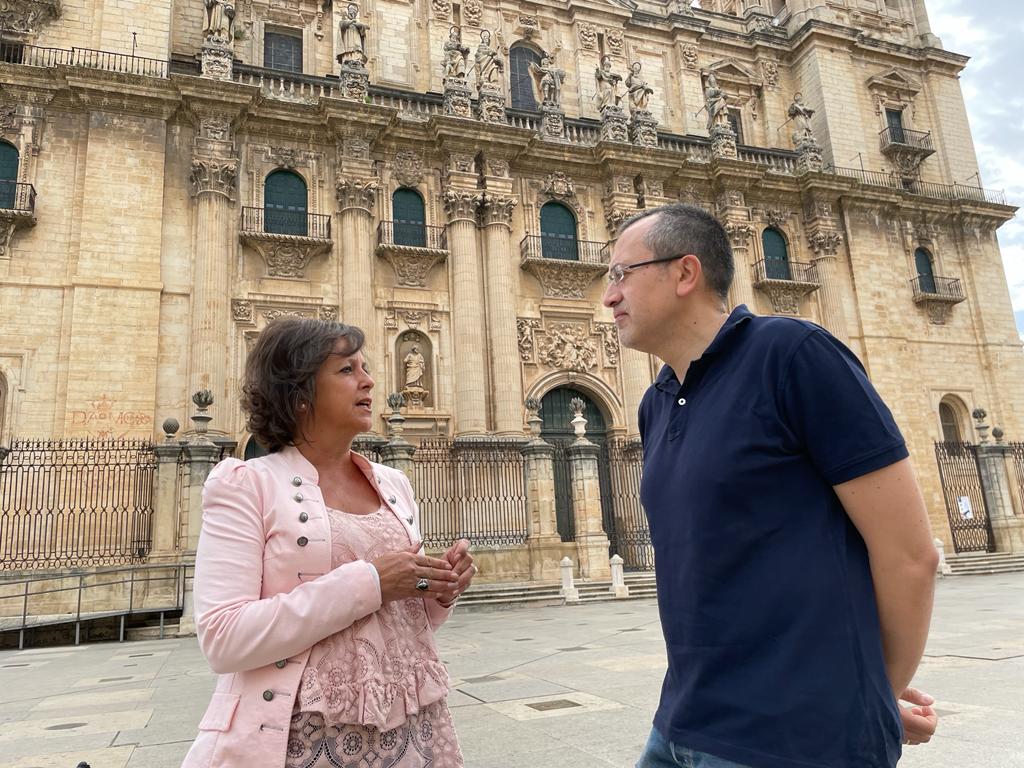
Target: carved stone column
(214, 181)
(496, 213)
(467, 312)
(735, 216)
(636, 378)
(825, 245)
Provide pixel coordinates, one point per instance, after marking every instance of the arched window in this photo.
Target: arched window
(558, 233)
(410, 218)
(285, 204)
(776, 255)
(950, 423)
(8, 175)
(520, 80)
(925, 271)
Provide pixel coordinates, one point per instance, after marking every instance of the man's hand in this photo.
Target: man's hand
(920, 721)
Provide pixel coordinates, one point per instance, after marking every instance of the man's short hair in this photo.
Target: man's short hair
(681, 229)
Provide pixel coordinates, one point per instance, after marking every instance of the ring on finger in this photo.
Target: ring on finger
(422, 585)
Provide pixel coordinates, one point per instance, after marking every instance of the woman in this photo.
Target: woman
(313, 601)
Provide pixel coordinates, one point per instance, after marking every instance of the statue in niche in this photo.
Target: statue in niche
(715, 103)
(352, 37)
(800, 114)
(415, 367)
(219, 21)
(548, 78)
(489, 64)
(455, 54)
(637, 89)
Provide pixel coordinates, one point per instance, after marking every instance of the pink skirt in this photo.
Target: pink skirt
(426, 740)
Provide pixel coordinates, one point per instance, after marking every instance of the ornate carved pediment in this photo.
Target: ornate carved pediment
(407, 168)
(28, 17)
(564, 279)
(567, 344)
(558, 186)
(895, 81)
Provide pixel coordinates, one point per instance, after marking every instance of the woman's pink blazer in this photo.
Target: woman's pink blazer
(265, 593)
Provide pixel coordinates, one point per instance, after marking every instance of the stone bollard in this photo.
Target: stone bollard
(944, 568)
(618, 588)
(569, 592)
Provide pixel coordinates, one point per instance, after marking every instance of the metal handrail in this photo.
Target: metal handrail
(412, 234)
(928, 189)
(271, 221)
(86, 58)
(179, 575)
(786, 271)
(905, 137)
(926, 286)
(17, 196)
(564, 249)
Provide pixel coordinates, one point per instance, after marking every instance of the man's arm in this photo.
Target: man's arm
(887, 508)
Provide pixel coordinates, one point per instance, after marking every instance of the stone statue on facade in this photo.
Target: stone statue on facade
(489, 64)
(455, 55)
(637, 89)
(352, 38)
(219, 21)
(800, 114)
(415, 367)
(715, 104)
(549, 79)
(607, 85)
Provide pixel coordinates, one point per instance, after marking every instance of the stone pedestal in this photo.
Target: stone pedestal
(458, 98)
(643, 129)
(397, 453)
(552, 122)
(490, 107)
(1007, 529)
(723, 142)
(591, 540)
(164, 541)
(216, 60)
(808, 156)
(543, 541)
(614, 126)
(569, 591)
(355, 81)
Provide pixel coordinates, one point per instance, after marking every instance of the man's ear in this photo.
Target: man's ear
(689, 273)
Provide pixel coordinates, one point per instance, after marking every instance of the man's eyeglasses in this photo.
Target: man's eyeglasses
(617, 272)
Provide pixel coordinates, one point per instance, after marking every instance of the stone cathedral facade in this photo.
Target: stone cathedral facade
(449, 176)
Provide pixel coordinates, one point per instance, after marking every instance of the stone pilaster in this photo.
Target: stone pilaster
(214, 182)
(735, 216)
(467, 311)
(636, 378)
(496, 215)
(825, 245)
(166, 501)
(591, 540)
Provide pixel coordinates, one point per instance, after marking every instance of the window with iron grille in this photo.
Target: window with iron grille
(558, 233)
(285, 209)
(520, 80)
(283, 51)
(776, 255)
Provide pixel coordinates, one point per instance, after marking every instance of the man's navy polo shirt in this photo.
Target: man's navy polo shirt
(764, 586)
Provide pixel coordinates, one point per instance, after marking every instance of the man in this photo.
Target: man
(795, 565)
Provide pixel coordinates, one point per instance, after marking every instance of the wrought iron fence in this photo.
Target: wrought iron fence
(925, 189)
(933, 285)
(17, 196)
(565, 249)
(412, 234)
(368, 448)
(966, 507)
(477, 492)
(272, 221)
(67, 503)
(628, 533)
(565, 508)
(1017, 455)
(87, 58)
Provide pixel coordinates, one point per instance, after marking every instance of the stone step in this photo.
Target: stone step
(494, 597)
(984, 563)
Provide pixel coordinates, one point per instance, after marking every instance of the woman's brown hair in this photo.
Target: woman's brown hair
(280, 374)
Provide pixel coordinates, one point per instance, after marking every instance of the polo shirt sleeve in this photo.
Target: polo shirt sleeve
(834, 412)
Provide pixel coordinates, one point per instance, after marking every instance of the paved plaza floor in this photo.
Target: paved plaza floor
(572, 687)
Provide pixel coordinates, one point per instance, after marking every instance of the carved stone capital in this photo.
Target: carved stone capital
(564, 279)
(497, 210)
(356, 193)
(739, 233)
(218, 176)
(614, 216)
(28, 17)
(825, 243)
(461, 205)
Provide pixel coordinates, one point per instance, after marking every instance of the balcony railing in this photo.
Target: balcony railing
(767, 270)
(17, 197)
(564, 249)
(894, 135)
(934, 287)
(271, 221)
(411, 234)
(88, 58)
(924, 188)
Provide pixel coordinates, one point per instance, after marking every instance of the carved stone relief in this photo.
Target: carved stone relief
(526, 328)
(558, 186)
(588, 35)
(690, 56)
(472, 12)
(610, 339)
(214, 176)
(407, 168)
(28, 16)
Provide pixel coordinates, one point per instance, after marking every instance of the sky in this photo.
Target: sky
(991, 32)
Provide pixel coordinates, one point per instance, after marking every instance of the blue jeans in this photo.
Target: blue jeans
(661, 753)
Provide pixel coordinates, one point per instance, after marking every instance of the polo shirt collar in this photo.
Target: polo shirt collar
(726, 336)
